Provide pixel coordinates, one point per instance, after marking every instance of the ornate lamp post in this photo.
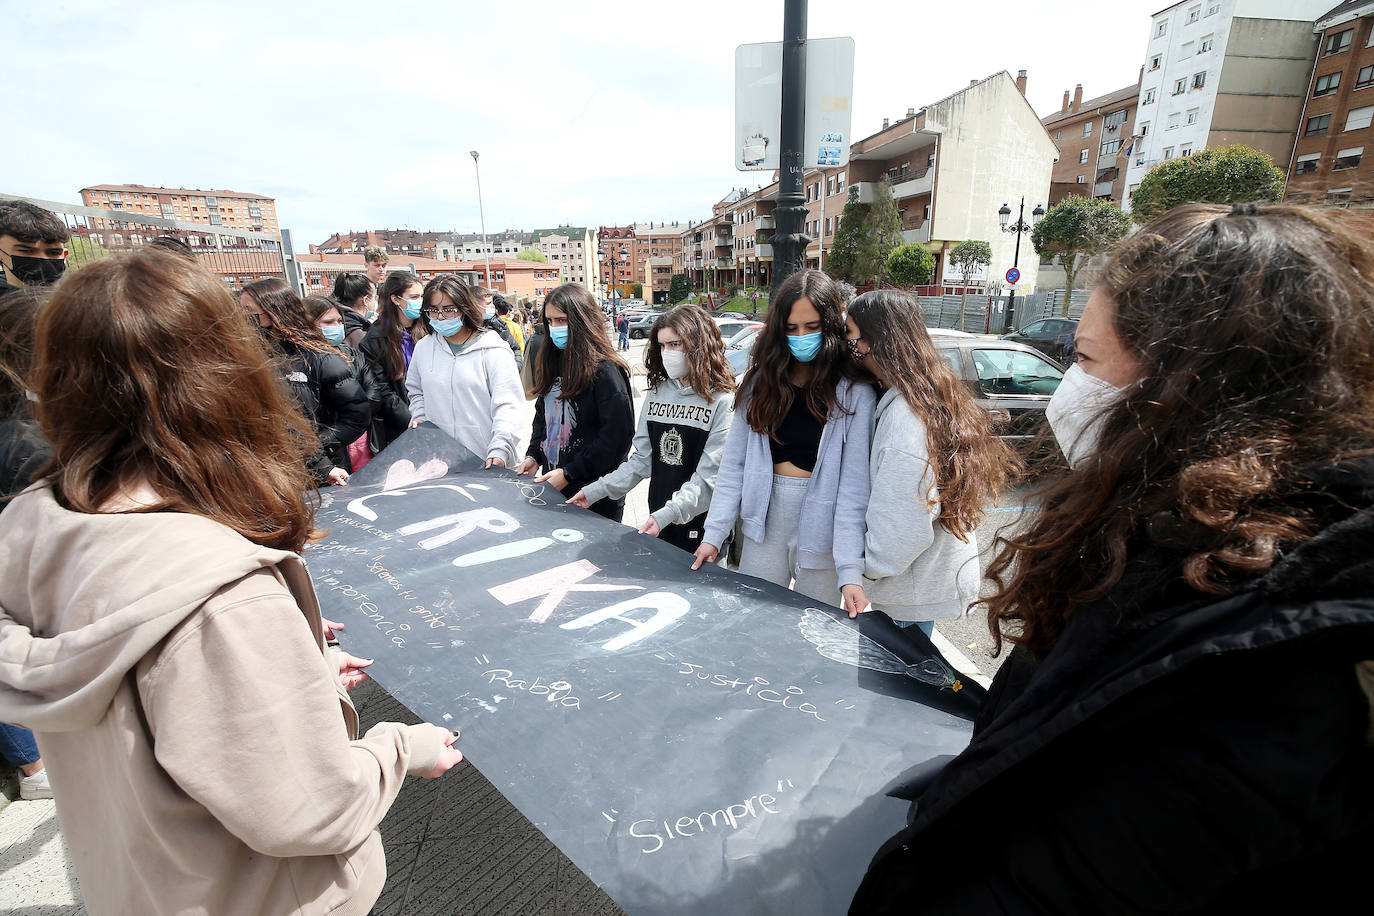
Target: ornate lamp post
(1020, 226)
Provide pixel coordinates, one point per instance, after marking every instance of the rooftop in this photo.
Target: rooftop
(1089, 105)
(149, 189)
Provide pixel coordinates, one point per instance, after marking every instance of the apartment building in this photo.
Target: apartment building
(615, 257)
(403, 242)
(228, 209)
(1220, 72)
(512, 277)
(1333, 163)
(657, 276)
(573, 249)
(1094, 141)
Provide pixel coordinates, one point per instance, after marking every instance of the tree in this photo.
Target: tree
(532, 254)
(910, 265)
(1077, 229)
(866, 237)
(677, 288)
(637, 291)
(82, 251)
(966, 258)
(1231, 174)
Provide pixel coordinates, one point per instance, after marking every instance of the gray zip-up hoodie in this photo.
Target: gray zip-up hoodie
(914, 569)
(832, 516)
(474, 396)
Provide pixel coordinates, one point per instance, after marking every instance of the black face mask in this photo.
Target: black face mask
(36, 271)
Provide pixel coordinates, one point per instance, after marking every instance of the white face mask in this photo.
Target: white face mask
(675, 363)
(1076, 410)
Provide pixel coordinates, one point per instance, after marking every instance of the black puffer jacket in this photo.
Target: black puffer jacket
(603, 426)
(330, 397)
(355, 325)
(499, 326)
(390, 401)
(1175, 752)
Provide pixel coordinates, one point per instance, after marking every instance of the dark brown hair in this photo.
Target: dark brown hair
(18, 318)
(768, 380)
(1254, 330)
(375, 254)
(463, 299)
(970, 464)
(588, 343)
(31, 223)
(350, 288)
(315, 308)
(397, 283)
(708, 372)
(146, 372)
(289, 321)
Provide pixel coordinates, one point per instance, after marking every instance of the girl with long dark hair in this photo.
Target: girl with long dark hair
(160, 632)
(796, 471)
(386, 353)
(583, 415)
(935, 467)
(1184, 722)
(357, 298)
(322, 383)
(682, 428)
(462, 377)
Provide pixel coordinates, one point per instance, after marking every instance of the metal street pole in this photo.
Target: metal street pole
(789, 238)
(1016, 263)
(486, 249)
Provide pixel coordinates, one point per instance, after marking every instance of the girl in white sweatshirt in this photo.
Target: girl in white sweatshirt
(934, 467)
(463, 378)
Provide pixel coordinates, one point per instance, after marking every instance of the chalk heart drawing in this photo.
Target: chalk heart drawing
(404, 473)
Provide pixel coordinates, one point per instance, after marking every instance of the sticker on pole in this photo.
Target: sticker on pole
(1013, 276)
(758, 103)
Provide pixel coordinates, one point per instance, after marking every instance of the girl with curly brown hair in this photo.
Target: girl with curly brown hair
(1184, 724)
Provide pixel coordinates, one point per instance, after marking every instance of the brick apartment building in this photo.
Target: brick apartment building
(1333, 162)
(1094, 140)
(616, 242)
(237, 210)
(404, 242)
(509, 276)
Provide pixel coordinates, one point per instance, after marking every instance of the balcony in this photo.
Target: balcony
(698, 263)
(763, 252)
(723, 241)
(913, 184)
(765, 222)
(725, 262)
(917, 236)
(1103, 188)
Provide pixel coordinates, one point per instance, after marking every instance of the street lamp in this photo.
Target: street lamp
(1020, 226)
(610, 287)
(486, 249)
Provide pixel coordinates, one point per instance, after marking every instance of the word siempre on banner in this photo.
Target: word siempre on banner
(684, 737)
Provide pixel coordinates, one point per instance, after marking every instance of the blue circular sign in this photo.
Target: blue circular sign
(1013, 275)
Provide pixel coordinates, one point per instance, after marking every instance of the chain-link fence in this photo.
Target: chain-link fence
(234, 255)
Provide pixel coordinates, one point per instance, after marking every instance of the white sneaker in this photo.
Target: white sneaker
(35, 786)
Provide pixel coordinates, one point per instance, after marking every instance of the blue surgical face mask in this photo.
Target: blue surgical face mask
(411, 309)
(489, 314)
(446, 328)
(559, 336)
(804, 346)
(334, 333)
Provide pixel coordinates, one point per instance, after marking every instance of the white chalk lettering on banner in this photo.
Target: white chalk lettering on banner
(360, 508)
(461, 524)
(518, 548)
(728, 817)
(667, 608)
(554, 585)
(557, 692)
(789, 697)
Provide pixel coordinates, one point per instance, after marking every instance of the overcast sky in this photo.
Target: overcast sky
(361, 115)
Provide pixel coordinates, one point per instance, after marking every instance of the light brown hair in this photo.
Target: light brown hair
(708, 372)
(146, 372)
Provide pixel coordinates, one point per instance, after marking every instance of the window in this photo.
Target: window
(1348, 158)
(930, 161)
(1110, 148)
(1366, 74)
(1161, 28)
(1114, 120)
(839, 186)
(1144, 128)
(1205, 45)
(1012, 372)
(1186, 150)
(1155, 61)
(1180, 86)
(1149, 98)
(1172, 123)
(1213, 9)
(1082, 179)
(215, 219)
(925, 212)
(1317, 125)
(1082, 156)
(1359, 118)
(1339, 42)
(1327, 84)
(1088, 129)
(1058, 135)
(1191, 117)
(1168, 152)
(1195, 14)
(1199, 79)
(1336, 195)
(829, 185)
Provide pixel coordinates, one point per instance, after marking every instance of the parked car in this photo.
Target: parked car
(731, 327)
(1011, 380)
(1051, 336)
(641, 323)
(739, 349)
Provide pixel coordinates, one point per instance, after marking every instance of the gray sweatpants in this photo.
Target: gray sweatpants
(773, 558)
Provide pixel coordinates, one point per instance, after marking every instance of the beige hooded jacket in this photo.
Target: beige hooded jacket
(200, 748)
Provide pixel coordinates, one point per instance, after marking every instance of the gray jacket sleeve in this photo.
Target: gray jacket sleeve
(694, 496)
(631, 471)
(851, 503)
(729, 486)
(899, 530)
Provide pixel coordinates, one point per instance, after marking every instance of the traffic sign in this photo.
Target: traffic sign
(1013, 276)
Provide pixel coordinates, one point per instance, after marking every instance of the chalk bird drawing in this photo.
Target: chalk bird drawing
(843, 643)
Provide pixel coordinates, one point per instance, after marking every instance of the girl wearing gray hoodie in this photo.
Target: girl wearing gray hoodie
(935, 461)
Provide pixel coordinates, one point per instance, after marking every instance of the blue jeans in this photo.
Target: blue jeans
(624, 340)
(925, 626)
(17, 745)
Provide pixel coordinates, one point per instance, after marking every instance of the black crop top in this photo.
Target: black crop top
(798, 437)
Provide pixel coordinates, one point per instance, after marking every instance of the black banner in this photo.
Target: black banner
(694, 741)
